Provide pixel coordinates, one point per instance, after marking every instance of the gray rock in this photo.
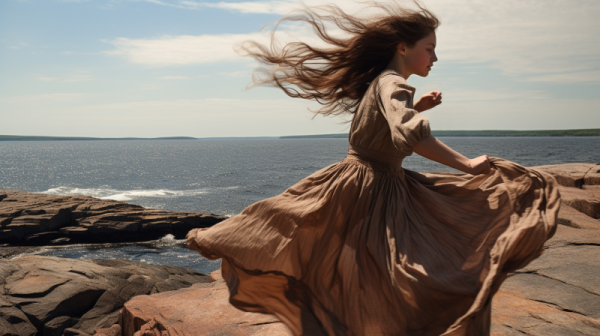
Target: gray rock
(75, 332)
(57, 326)
(17, 320)
(580, 274)
(55, 296)
(567, 297)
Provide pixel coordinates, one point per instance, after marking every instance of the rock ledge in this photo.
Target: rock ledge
(38, 219)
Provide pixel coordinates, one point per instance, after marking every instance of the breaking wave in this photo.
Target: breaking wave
(128, 195)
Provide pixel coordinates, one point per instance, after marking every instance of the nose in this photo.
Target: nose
(434, 59)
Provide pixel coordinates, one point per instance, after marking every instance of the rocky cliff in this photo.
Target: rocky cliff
(37, 219)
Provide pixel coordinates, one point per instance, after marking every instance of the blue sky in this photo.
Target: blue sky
(116, 68)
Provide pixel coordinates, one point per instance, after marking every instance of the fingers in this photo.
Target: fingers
(429, 100)
(437, 97)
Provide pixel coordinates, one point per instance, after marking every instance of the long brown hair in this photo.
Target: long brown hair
(338, 75)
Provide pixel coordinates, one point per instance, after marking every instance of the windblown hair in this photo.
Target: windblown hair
(338, 75)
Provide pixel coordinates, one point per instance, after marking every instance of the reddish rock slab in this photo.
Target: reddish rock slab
(202, 309)
(582, 200)
(575, 219)
(593, 176)
(513, 314)
(570, 174)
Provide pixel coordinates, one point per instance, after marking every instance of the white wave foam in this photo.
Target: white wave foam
(169, 240)
(128, 195)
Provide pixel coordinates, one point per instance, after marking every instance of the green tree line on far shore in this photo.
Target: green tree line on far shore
(499, 133)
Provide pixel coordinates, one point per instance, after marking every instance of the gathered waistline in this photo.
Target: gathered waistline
(376, 160)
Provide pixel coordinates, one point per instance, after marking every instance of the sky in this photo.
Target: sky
(157, 68)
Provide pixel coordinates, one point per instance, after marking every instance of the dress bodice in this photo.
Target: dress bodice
(385, 121)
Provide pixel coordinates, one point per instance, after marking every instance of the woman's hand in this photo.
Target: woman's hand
(480, 165)
(428, 101)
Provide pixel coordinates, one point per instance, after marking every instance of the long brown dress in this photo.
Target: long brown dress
(365, 247)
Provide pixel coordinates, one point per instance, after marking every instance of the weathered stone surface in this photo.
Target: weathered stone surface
(582, 200)
(114, 330)
(513, 314)
(55, 296)
(570, 174)
(543, 289)
(37, 219)
(573, 218)
(559, 293)
(593, 176)
(566, 235)
(202, 309)
(57, 326)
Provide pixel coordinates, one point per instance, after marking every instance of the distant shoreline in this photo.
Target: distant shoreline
(63, 138)
(488, 133)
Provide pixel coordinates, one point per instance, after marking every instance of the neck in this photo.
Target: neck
(397, 65)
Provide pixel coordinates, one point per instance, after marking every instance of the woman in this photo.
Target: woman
(365, 247)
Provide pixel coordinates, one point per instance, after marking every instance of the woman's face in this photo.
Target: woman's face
(419, 58)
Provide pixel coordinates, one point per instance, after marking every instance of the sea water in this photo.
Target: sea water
(217, 175)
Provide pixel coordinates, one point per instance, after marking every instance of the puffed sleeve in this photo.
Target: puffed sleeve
(407, 126)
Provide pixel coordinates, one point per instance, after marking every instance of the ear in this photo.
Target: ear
(401, 49)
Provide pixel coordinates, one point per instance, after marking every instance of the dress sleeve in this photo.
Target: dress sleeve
(407, 126)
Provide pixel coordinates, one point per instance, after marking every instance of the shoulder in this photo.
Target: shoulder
(390, 83)
(390, 79)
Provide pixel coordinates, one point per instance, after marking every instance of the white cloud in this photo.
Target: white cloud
(20, 45)
(520, 37)
(198, 118)
(187, 50)
(45, 98)
(174, 77)
(247, 74)
(255, 7)
(67, 79)
(462, 95)
(572, 77)
(182, 50)
(237, 117)
(536, 39)
(516, 114)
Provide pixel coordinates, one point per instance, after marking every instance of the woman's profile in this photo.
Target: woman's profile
(364, 246)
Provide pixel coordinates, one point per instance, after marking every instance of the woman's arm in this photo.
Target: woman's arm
(435, 150)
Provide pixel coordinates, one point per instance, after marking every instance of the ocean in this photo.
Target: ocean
(220, 176)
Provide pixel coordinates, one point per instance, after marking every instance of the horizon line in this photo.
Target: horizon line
(584, 131)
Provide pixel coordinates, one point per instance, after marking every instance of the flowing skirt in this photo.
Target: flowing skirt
(365, 248)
